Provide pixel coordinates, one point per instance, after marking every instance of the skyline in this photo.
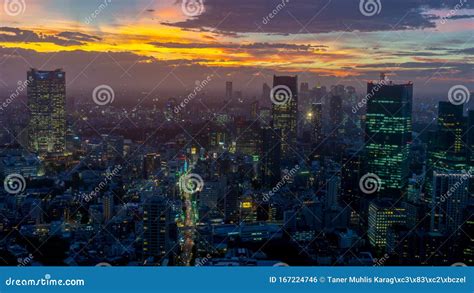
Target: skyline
(152, 47)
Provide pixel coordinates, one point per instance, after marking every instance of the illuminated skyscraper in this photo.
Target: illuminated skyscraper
(382, 216)
(270, 156)
(336, 115)
(316, 123)
(157, 224)
(388, 135)
(470, 137)
(47, 102)
(446, 148)
(451, 192)
(266, 92)
(448, 151)
(285, 112)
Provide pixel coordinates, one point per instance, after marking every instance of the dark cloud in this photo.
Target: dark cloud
(77, 36)
(312, 16)
(16, 35)
(256, 46)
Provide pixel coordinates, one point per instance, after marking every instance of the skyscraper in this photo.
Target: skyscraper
(470, 137)
(317, 124)
(388, 135)
(450, 149)
(157, 222)
(450, 198)
(336, 115)
(285, 113)
(382, 216)
(47, 102)
(266, 92)
(447, 152)
(270, 156)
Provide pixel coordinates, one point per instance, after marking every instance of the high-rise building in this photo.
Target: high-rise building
(157, 222)
(228, 90)
(449, 149)
(285, 114)
(336, 115)
(382, 216)
(316, 124)
(447, 152)
(451, 192)
(470, 137)
(108, 206)
(270, 156)
(47, 102)
(388, 135)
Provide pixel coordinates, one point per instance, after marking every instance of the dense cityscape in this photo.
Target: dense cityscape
(302, 175)
(236, 133)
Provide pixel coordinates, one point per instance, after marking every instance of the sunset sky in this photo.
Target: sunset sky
(146, 45)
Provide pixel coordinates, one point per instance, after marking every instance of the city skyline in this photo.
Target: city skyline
(169, 134)
(149, 46)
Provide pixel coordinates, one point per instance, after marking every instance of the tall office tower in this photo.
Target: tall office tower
(449, 147)
(304, 97)
(336, 115)
(270, 155)
(47, 102)
(350, 176)
(447, 151)
(451, 192)
(316, 124)
(388, 136)
(285, 112)
(157, 223)
(333, 189)
(108, 206)
(228, 90)
(382, 216)
(470, 137)
(266, 92)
